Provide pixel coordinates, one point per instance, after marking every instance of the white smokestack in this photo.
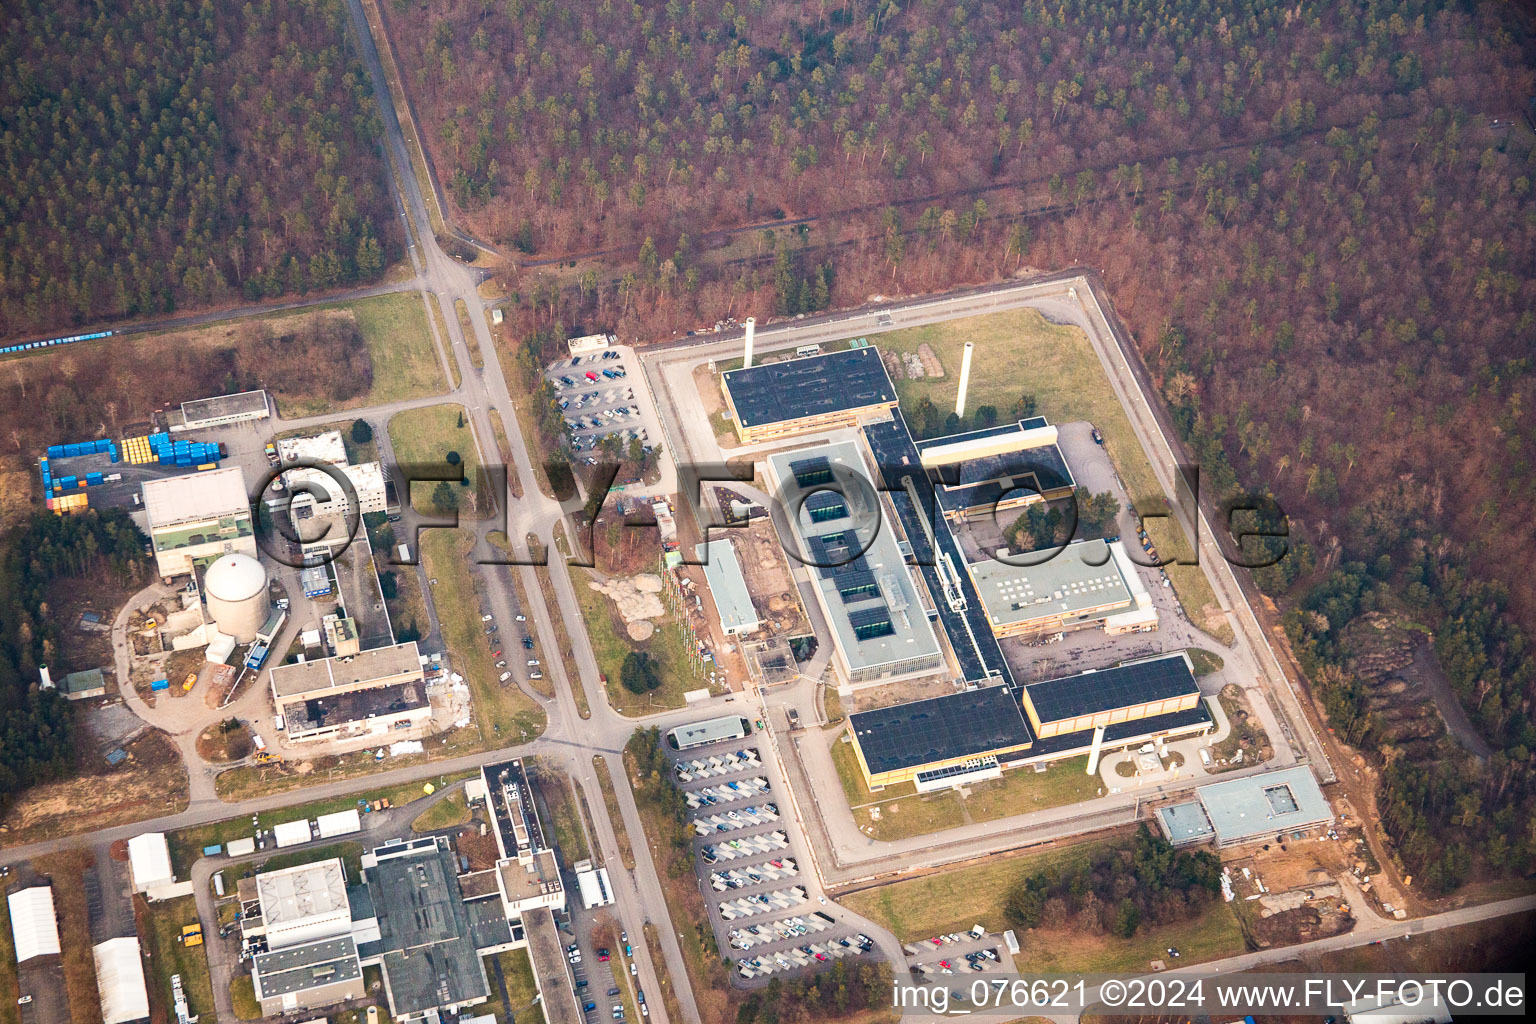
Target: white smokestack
(45, 679)
(747, 356)
(965, 379)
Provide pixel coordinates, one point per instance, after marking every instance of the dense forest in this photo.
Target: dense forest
(165, 154)
(37, 740)
(1316, 219)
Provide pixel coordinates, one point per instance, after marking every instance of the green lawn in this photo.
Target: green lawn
(165, 956)
(610, 644)
(1205, 662)
(446, 813)
(1019, 352)
(521, 989)
(956, 900)
(565, 820)
(351, 854)
(428, 437)
(242, 993)
(903, 813)
(405, 362)
(504, 713)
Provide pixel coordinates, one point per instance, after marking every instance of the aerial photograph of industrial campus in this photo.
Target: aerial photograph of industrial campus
(767, 511)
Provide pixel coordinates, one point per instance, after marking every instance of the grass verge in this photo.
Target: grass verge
(160, 925)
(565, 815)
(611, 805)
(242, 995)
(407, 121)
(448, 812)
(471, 340)
(10, 983)
(444, 343)
(504, 449)
(522, 993)
(505, 714)
(187, 844)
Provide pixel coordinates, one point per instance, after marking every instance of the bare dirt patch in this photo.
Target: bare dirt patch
(226, 741)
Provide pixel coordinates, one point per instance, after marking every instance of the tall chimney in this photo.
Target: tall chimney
(747, 357)
(965, 379)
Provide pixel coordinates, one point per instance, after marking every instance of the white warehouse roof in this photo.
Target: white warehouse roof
(291, 833)
(34, 926)
(196, 496)
(149, 860)
(120, 977)
(342, 823)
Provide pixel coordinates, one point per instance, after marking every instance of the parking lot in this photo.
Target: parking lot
(766, 908)
(603, 393)
(599, 954)
(957, 961)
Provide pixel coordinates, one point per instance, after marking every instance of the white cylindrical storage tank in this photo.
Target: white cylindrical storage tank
(746, 357)
(236, 588)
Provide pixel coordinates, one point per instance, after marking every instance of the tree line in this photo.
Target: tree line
(38, 735)
(171, 155)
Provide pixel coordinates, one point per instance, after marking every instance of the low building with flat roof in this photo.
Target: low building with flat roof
(1096, 699)
(359, 694)
(728, 588)
(528, 873)
(1078, 587)
(795, 396)
(1252, 809)
(195, 518)
(221, 410)
(326, 446)
(712, 730)
(971, 729)
(307, 976)
(301, 904)
(880, 628)
(84, 685)
(981, 473)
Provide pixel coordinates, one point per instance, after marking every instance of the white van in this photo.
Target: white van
(505, 676)
(1205, 756)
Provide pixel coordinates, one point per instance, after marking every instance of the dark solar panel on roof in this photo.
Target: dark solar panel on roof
(810, 472)
(796, 388)
(825, 506)
(944, 728)
(1107, 689)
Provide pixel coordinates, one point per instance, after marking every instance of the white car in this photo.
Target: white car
(533, 662)
(505, 676)
(486, 618)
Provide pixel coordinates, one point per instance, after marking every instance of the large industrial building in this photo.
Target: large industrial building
(880, 629)
(982, 473)
(1252, 809)
(310, 931)
(795, 396)
(195, 518)
(220, 411)
(34, 923)
(319, 504)
(372, 693)
(973, 735)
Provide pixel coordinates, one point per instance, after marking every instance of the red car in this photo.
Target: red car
(821, 957)
(602, 955)
(591, 375)
(937, 942)
(496, 653)
(944, 964)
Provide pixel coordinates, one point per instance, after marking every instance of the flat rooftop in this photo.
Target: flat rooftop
(1082, 577)
(865, 586)
(970, 723)
(219, 407)
(327, 962)
(539, 877)
(970, 637)
(1121, 733)
(354, 706)
(728, 586)
(169, 501)
(512, 808)
(429, 959)
(1108, 689)
(323, 447)
(1263, 804)
(303, 891)
(1186, 822)
(794, 389)
(546, 953)
(696, 734)
(330, 673)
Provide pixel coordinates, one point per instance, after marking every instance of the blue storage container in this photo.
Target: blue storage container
(213, 851)
(55, 451)
(160, 684)
(93, 478)
(114, 457)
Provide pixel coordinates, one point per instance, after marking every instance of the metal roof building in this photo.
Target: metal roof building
(120, 980)
(34, 923)
(1076, 587)
(728, 586)
(895, 744)
(713, 730)
(198, 517)
(793, 396)
(1134, 690)
(303, 903)
(1249, 809)
(221, 410)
